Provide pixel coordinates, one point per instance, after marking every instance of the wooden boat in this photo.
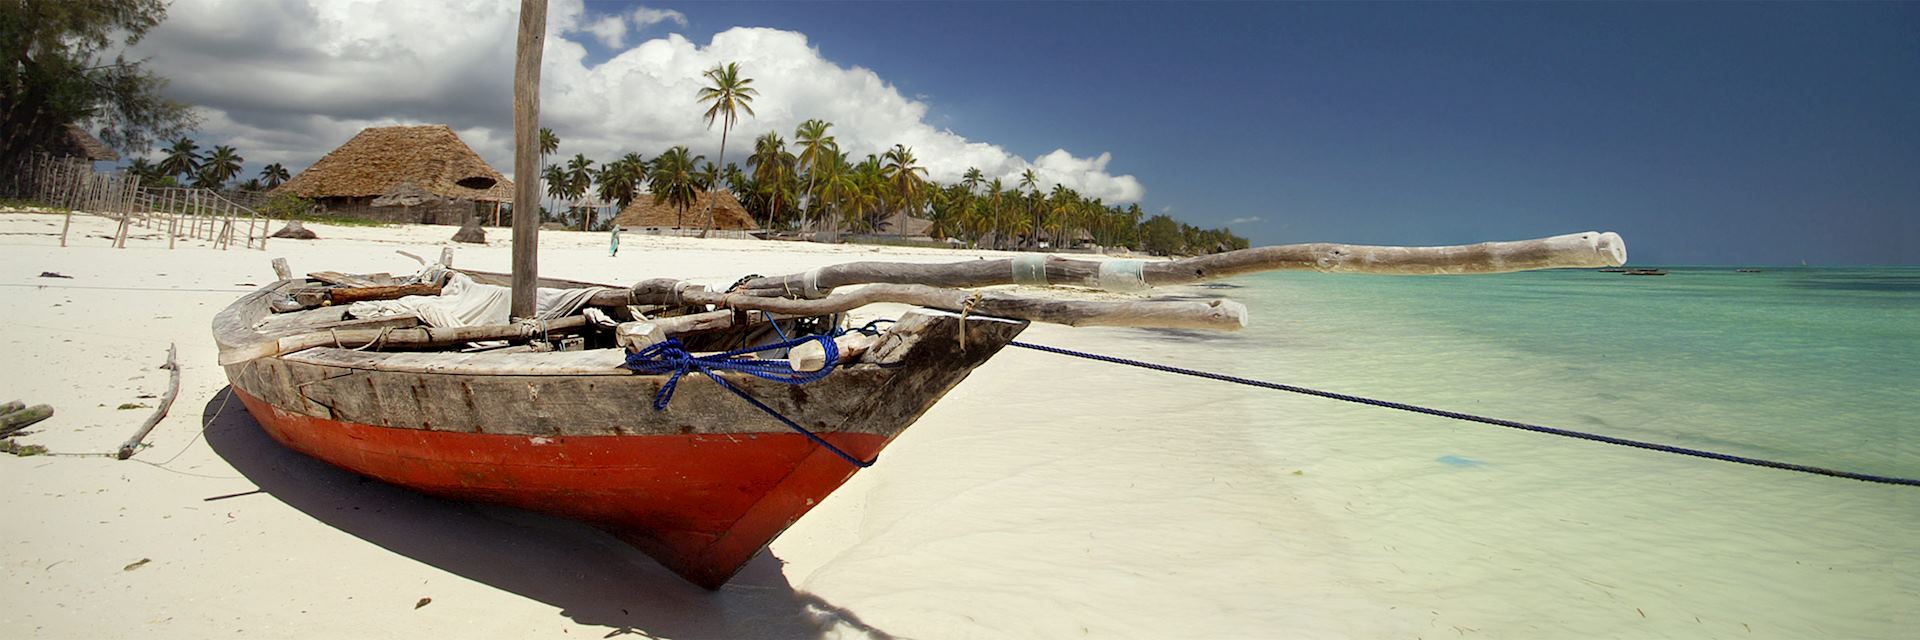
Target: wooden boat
(701, 486)
(1646, 272)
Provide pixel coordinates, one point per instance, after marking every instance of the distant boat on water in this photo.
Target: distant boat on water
(1645, 272)
(1747, 270)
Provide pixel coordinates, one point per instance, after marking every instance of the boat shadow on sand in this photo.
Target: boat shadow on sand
(591, 577)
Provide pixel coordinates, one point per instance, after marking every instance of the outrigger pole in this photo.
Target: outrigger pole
(526, 156)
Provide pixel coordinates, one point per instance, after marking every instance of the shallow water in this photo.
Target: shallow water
(1052, 496)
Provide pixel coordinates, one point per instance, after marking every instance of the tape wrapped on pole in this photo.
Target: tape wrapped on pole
(1123, 275)
(1030, 269)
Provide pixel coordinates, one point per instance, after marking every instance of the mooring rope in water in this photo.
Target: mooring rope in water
(1568, 433)
(672, 357)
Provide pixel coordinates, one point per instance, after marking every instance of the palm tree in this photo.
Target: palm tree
(144, 170)
(971, 179)
(773, 169)
(1030, 183)
(556, 179)
(182, 159)
(548, 143)
(672, 182)
(815, 145)
(204, 179)
(579, 179)
(729, 94)
(223, 164)
(907, 180)
(274, 174)
(620, 182)
(836, 182)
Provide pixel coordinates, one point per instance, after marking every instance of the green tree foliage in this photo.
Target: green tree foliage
(53, 57)
(182, 158)
(222, 165)
(672, 181)
(273, 175)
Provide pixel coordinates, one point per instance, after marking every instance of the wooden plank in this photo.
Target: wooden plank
(592, 362)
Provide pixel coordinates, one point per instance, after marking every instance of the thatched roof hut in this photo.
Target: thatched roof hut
(727, 214)
(381, 159)
(75, 142)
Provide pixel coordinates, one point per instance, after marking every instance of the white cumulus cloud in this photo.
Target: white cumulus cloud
(288, 81)
(644, 17)
(611, 31)
(1243, 220)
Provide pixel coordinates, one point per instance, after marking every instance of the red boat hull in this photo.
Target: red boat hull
(702, 504)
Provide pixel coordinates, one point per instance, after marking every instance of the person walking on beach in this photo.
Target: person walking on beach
(614, 249)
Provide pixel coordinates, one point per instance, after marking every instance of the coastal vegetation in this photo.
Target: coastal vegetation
(810, 186)
(54, 57)
(817, 186)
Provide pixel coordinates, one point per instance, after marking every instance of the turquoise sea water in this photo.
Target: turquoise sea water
(1539, 536)
(1815, 365)
(1125, 503)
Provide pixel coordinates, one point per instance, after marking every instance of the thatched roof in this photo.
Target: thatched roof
(406, 194)
(381, 159)
(727, 214)
(77, 143)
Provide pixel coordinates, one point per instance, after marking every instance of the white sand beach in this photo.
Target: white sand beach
(149, 547)
(1044, 497)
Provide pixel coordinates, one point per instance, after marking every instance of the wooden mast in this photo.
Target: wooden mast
(526, 155)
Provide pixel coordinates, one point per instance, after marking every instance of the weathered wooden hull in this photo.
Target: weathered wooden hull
(702, 505)
(701, 486)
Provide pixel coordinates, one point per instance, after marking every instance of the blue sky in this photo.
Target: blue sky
(1721, 133)
(1704, 133)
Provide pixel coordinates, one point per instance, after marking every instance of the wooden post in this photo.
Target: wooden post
(280, 269)
(526, 147)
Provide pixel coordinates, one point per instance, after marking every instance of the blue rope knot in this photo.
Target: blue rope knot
(671, 357)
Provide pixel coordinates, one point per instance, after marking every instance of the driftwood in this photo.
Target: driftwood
(409, 338)
(24, 418)
(166, 402)
(1589, 249)
(640, 334)
(11, 406)
(1213, 314)
(281, 270)
(349, 295)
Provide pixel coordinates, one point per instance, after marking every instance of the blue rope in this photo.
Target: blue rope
(1652, 446)
(672, 357)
